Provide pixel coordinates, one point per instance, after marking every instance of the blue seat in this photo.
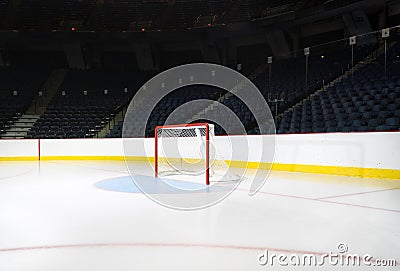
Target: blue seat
(374, 122)
(392, 107)
(364, 129)
(392, 95)
(392, 122)
(376, 108)
(338, 111)
(331, 129)
(331, 123)
(382, 128)
(363, 109)
(383, 102)
(306, 130)
(319, 130)
(368, 115)
(383, 114)
(358, 123)
(354, 116)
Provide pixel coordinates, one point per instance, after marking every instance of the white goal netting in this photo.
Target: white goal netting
(182, 150)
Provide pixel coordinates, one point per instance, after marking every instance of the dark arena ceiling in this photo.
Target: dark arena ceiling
(156, 15)
(276, 27)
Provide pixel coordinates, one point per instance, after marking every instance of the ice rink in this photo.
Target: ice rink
(54, 216)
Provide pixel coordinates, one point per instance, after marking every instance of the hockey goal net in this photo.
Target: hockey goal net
(189, 149)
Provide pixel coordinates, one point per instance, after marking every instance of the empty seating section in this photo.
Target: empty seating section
(177, 98)
(288, 76)
(327, 112)
(17, 90)
(39, 14)
(242, 112)
(366, 101)
(76, 13)
(171, 102)
(254, 9)
(218, 8)
(124, 15)
(3, 7)
(190, 93)
(49, 15)
(81, 108)
(87, 100)
(277, 7)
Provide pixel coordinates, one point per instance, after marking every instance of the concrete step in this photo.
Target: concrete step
(20, 126)
(14, 129)
(29, 117)
(16, 135)
(12, 137)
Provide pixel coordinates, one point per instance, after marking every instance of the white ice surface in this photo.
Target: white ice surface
(52, 217)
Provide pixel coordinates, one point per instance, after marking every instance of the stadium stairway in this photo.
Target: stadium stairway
(20, 128)
(118, 118)
(24, 124)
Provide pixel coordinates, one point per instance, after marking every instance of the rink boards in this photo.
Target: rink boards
(368, 155)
